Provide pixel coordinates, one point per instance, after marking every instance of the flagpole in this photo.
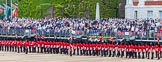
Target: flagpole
(6, 9)
(11, 9)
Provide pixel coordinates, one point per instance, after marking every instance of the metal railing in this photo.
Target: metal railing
(141, 35)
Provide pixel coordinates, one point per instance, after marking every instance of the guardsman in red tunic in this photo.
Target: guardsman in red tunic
(63, 50)
(57, 47)
(7, 44)
(18, 46)
(71, 49)
(149, 51)
(38, 46)
(136, 50)
(105, 50)
(77, 46)
(102, 50)
(94, 49)
(122, 50)
(146, 49)
(67, 46)
(153, 51)
(4, 43)
(98, 49)
(90, 49)
(33, 47)
(26, 47)
(51, 47)
(110, 50)
(130, 51)
(118, 50)
(127, 51)
(30, 46)
(41, 46)
(158, 48)
(54, 47)
(114, 50)
(161, 51)
(60, 46)
(87, 49)
(12, 45)
(139, 51)
(158, 51)
(1, 45)
(143, 51)
(74, 48)
(83, 49)
(21, 46)
(45, 46)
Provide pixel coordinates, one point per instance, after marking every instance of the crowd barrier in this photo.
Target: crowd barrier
(136, 35)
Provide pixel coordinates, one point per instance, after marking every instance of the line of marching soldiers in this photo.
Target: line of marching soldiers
(105, 49)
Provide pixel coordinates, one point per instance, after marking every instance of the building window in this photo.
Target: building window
(135, 14)
(149, 14)
(160, 12)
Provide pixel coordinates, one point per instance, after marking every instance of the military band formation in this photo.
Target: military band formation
(121, 49)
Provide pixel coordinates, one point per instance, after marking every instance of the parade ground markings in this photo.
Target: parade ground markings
(38, 57)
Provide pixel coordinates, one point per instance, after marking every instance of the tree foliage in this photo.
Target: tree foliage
(67, 8)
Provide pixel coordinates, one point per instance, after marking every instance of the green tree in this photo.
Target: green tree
(68, 8)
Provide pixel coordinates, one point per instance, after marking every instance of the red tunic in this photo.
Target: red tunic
(12, 44)
(143, 48)
(51, 44)
(18, 44)
(133, 48)
(139, 48)
(34, 44)
(45, 44)
(41, 43)
(161, 47)
(159, 50)
(156, 48)
(107, 46)
(127, 48)
(153, 48)
(26, 44)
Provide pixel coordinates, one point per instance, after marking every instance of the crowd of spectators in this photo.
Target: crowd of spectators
(65, 26)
